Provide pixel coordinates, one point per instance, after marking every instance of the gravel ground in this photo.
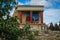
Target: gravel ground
(50, 35)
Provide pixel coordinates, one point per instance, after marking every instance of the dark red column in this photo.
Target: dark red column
(30, 16)
(20, 17)
(41, 16)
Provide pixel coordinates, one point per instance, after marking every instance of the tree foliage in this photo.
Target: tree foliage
(51, 26)
(9, 27)
(6, 6)
(59, 24)
(9, 30)
(56, 27)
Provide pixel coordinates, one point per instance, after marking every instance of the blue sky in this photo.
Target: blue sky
(51, 8)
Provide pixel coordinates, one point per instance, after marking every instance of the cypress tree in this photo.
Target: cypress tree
(51, 27)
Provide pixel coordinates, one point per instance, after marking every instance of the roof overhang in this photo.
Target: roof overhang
(30, 8)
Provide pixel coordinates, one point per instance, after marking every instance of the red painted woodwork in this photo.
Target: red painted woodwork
(20, 17)
(41, 17)
(30, 16)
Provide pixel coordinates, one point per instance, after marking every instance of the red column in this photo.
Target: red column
(41, 16)
(20, 17)
(30, 16)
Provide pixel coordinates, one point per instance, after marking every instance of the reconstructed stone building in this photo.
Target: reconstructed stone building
(32, 15)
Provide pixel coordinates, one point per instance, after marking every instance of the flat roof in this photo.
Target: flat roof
(30, 7)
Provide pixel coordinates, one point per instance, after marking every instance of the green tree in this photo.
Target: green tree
(51, 27)
(6, 6)
(56, 27)
(8, 26)
(9, 29)
(59, 25)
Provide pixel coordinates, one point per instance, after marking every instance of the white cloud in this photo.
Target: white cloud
(19, 3)
(33, 2)
(52, 15)
(47, 4)
(51, 4)
(37, 2)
